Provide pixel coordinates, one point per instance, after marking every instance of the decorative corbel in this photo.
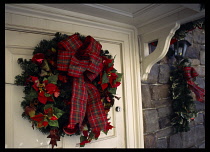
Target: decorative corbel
(163, 36)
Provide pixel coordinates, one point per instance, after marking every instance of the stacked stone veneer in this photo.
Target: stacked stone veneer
(158, 132)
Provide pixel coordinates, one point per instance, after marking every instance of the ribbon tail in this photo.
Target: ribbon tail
(95, 110)
(78, 105)
(199, 92)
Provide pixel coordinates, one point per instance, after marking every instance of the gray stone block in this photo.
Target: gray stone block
(199, 119)
(164, 60)
(164, 122)
(164, 132)
(200, 70)
(146, 96)
(199, 106)
(164, 111)
(161, 103)
(189, 37)
(198, 36)
(200, 133)
(192, 52)
(202, 57)
(175, 141)
(164, 73)
(149, 141)
(150, 120)
(153, 75)
(159, 92)
(201, 82)
(202, 145)
(194, 62)
(188, 138)
(162, 143)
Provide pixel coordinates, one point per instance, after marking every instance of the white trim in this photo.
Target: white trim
(164, 37)
(41, 11)
(145, 10)
(131, 68)
(109, 9)
(161, 17)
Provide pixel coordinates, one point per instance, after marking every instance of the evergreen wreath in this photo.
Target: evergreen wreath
(49, 90)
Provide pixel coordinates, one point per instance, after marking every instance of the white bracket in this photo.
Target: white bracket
(163, 36)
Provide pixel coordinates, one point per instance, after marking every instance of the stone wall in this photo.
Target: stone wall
(158, 132)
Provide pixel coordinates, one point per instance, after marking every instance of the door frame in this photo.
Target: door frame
(25, 17)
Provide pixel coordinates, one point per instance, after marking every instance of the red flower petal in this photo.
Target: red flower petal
(84, 142)
(38, 117)
(38, 58)
(46, 111)
(109, 69)
(50, 99)
(42, 98)
(53, 118)
(85, 133)
(45, 123)
(104, 86)
(109, 126)
(35, 87)
(51, 88)
(116, 85)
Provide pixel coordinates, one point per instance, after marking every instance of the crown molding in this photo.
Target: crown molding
(109, 9)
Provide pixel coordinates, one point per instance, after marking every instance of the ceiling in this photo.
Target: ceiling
(136, 14)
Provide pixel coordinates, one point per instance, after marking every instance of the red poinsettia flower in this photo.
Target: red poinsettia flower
(45, 87)
(116, 84)
(109, 126)
(84, 142)
(106, 63)
(38, 58)
(112, 77)
(40, 118)
(104, 86)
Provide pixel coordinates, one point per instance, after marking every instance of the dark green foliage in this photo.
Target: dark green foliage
(185, 28)
(29, 68)
(46, 45)
(183, 104)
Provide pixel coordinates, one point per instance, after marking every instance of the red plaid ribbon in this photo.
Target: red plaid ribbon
(189, 73)
(84, 63)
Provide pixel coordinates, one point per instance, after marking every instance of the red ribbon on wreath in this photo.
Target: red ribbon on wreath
(189, 73)
(84, 63)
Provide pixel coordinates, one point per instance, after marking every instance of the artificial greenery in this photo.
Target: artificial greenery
(182, 102)
(35, 77)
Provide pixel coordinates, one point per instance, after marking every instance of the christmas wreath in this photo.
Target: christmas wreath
(69, 85)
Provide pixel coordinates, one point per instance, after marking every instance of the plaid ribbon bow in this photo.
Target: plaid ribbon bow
(189, 73)
(83, 62)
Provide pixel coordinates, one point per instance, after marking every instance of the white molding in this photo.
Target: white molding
(145, 10)
(164, 37)
(161, 17)
(110, 9)
(181, 17)
(41, 11)
(30, 14)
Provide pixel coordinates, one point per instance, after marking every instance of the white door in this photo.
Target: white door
(19, 133)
